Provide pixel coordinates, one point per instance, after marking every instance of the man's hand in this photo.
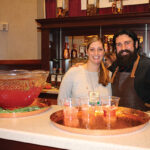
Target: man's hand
(78, 64)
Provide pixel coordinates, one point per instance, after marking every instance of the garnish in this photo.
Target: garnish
(20, 110)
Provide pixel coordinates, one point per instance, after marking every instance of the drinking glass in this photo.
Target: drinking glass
(70, 111)
(109, 105)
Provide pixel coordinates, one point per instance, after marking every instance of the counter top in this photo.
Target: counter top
(39, 130)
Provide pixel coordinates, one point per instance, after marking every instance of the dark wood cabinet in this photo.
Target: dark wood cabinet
(55, 30)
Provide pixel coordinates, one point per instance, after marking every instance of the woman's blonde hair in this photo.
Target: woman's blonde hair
(104, 78)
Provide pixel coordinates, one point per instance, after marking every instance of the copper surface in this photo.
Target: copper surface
(126, 120)
(44, 105)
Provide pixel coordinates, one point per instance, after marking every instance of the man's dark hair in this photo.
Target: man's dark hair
(131, 34)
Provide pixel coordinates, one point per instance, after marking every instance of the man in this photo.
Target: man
(131, 72)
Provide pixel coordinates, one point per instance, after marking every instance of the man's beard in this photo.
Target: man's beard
(126, 60)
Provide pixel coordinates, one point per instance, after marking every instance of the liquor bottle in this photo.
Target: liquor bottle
(92, 7)
(74, 52)
(59, 77)
(117, 7)
(53, 78)
(66, 51)
(106, 44)
(82, 51)
(111, 49)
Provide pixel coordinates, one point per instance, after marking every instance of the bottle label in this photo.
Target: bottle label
(118, 4)
(74, 54)
(66, 54)
(58, 78)
(82, 50)
(83, 4)
(94, 98)
(53, 77)
(59, 3)
(91, 2)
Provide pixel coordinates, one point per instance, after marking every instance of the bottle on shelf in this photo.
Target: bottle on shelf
(92, 7)
(82, 57)
(66, 53)
(117, 7)
(59, 77)
(74, 55)
(74, 52)
(111, 49)
(106, 44)
(82, 51)
(62, 8)
(53, 78)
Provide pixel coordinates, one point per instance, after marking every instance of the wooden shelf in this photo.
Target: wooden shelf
(100, 20)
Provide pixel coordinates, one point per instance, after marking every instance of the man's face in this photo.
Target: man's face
(124, 42)
(125, 50)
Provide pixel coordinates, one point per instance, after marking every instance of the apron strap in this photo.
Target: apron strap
(114, 74)
(135, 67)
(133, 70)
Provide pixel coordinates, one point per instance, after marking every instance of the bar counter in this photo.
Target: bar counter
(39, 130)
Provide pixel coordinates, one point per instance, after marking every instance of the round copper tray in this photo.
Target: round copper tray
(42, 103)
(127, 120)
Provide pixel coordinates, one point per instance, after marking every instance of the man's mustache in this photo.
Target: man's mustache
(122, 51)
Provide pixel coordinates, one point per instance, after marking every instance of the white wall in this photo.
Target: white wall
(22, 41)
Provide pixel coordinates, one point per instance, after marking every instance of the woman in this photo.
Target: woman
(89, 79)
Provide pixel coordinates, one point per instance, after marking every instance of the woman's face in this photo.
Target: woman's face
(95, 52)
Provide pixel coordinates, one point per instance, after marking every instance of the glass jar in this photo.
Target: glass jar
(62, 8)
(92, 7)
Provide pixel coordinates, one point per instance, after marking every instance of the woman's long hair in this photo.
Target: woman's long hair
(104, 78)
(103, 74)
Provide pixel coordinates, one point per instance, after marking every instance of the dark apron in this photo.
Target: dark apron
(123, 87)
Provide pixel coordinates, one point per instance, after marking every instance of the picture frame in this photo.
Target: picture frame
(108, 3)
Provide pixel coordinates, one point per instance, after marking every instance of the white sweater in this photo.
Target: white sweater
(78, 82)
